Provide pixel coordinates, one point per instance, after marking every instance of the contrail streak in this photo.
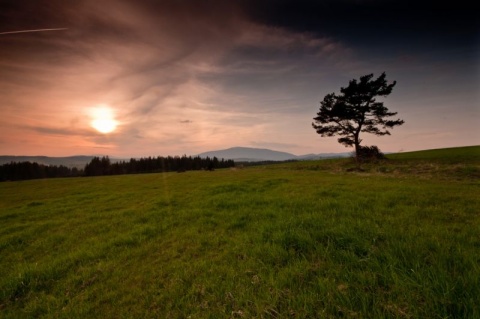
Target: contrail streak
(36, 30)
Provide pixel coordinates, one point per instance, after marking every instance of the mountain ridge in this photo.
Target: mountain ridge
(250, 154)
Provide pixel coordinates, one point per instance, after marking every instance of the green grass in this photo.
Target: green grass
(455, 155)
(297, 240)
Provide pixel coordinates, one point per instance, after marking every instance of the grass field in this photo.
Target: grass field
(299, 240)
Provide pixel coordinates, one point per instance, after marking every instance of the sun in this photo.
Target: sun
(103, 119)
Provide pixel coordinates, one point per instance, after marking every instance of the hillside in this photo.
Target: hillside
(459, 163)
(465, 154)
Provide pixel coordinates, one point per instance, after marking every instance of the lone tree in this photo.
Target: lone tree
(356, 110)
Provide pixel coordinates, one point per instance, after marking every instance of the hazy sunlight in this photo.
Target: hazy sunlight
(103, 119)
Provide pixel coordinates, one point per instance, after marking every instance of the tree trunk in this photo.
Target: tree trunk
(357, 149)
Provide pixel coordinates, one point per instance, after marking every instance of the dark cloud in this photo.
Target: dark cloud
(59, 131)
(372, 20)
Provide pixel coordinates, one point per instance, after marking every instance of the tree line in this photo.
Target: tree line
(103, 166)
(16, 171)
(98, 166)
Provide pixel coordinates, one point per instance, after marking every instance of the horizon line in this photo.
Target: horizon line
(97, 155)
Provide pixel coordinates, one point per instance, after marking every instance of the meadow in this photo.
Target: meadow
(313, 239)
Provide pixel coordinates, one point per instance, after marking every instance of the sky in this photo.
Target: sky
(129, 78)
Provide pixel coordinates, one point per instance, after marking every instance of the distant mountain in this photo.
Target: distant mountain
(70, 161)
(248, 154)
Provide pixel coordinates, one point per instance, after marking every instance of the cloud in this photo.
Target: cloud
(60, 131)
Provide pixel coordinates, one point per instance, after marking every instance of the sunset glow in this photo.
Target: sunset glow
(103, 120)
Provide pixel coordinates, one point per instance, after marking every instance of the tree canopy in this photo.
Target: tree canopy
(355, 110)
